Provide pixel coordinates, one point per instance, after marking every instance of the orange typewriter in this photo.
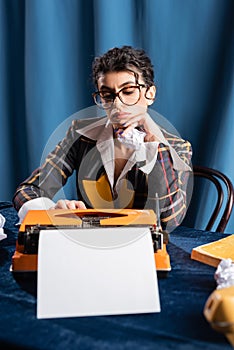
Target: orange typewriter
(26, 253)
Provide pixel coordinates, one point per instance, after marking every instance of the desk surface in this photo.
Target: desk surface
(180, 324)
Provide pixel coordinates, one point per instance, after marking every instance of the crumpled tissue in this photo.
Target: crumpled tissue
(133, 139)
(2, 223)
(224, 274)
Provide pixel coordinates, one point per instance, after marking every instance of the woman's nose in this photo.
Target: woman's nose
(117, 103)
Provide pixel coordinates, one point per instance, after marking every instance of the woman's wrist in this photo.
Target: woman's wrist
(149, 137)
(147, 126)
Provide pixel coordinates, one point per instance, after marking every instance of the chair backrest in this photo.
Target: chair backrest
(219, 180)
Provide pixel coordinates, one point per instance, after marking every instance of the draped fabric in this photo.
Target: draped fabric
(180, 325)
(46, 53)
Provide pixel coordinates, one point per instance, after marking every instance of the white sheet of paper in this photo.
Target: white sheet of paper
(2, 223)
(2, 234)
(90, 272)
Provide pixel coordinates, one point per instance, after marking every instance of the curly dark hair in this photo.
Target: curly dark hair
(122, 59)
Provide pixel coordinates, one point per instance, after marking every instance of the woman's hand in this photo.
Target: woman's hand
(66, 204)
(125, 122)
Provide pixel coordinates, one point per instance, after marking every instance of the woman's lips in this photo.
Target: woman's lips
(120, 115)
(123, 114)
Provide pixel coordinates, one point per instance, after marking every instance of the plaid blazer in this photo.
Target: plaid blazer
(78, 153)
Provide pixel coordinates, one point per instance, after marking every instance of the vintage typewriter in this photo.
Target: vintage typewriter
(26, 253)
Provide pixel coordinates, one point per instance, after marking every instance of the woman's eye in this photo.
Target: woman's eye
(106, 95)
(129, 91)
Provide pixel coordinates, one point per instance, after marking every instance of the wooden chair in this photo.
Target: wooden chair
(219, 180)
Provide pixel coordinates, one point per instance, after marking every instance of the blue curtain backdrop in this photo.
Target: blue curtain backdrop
(46, 52)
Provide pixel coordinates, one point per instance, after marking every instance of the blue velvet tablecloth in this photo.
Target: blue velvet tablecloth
(180, 325)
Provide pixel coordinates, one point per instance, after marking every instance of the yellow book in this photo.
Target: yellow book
(213, 253)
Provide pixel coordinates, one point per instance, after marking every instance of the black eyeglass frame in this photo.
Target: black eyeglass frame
(116, 94)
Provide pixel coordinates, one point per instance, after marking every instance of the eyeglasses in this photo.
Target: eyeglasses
(129, 96)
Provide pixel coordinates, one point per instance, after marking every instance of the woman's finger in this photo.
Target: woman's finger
(61, 204)
(80, 205)
(69, 204)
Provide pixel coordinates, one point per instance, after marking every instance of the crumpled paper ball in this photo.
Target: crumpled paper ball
(224, 275)
(2, 223)
(134, 139)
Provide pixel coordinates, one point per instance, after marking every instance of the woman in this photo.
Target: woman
(121, 160)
